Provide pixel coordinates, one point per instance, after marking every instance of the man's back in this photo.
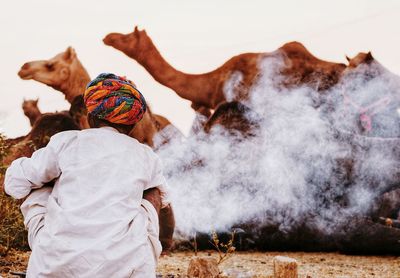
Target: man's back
(95, 222)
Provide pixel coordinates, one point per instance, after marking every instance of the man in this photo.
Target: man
(94, 222)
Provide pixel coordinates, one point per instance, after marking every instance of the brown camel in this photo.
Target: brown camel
(207, 90)
(65, 73)
(31, 110)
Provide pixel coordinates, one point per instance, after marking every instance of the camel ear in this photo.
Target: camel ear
(136, 31)
(368, 57)
(69, 54)
(347, 58)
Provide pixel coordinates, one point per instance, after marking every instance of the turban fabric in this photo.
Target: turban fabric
(114, 99)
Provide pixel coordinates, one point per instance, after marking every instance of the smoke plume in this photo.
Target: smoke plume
(295, 167)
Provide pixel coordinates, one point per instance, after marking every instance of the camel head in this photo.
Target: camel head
(360, 58)
(31, 110)
(236, 118)
(364, 64)
(131, 44)
(30, 106)
(53, 72)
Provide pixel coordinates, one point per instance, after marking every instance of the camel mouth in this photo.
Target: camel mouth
(25, 75)
(113, 39)
(108, 40)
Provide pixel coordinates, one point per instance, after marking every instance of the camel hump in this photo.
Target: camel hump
(297, 50)
(360, 58)
(294, 46)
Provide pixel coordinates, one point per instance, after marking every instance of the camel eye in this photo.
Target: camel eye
(50, 66)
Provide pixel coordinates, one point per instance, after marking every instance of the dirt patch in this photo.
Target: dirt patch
(257, 264)
(13, 261)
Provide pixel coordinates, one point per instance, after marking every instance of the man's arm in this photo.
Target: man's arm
(154, 197)
(25, 174)
(166, 218)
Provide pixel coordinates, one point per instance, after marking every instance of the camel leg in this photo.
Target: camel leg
(167, 227)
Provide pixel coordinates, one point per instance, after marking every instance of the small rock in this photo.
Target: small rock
(285, 267)
(203, 268)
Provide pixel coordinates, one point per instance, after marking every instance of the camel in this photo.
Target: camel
(206, 91)
(31, 110)
(378, 228)
(65, 73)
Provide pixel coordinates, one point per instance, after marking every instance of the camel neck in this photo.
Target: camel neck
(183, 84)
(76, 84)
(33, 115)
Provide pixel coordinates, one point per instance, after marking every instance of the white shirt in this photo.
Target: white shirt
(95, 224)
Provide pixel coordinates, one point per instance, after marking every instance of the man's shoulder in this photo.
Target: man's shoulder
(145, 147)
(63, 137)
(65, 134)
(147, 150)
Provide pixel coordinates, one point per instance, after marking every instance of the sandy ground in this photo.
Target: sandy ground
(257, 264)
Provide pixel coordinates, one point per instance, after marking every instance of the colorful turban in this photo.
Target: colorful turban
(114, 99)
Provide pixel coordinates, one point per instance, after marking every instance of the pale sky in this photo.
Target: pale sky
(193, 36)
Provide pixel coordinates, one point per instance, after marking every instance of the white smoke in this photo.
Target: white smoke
(232, 85)
(292, 169)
